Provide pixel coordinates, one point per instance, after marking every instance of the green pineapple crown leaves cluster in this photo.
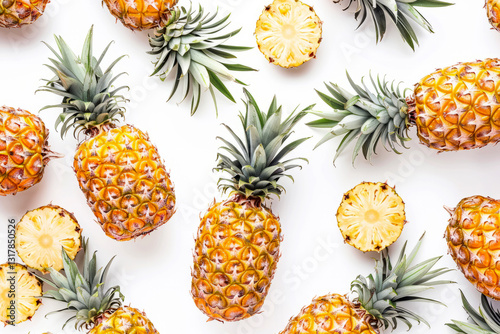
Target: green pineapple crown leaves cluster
(381, 293)
(84, 293)
(382, 116)
(193, 44)
(401, 12)
(88, 97)
(484, 321)
(256, 165)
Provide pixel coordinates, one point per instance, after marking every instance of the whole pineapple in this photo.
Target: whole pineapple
(486, 321)
(473, 236)
(493, 11)
(238, 242)
(401, 12)
(376, 301)
(118, 169)
(454, 108)
(141, 14)
(20, 293)
(24, 150)
(95, 309)
(16, 13)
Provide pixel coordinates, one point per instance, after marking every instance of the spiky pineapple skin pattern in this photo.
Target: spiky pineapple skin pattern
(141, 14)
(16, 13)
(23, 150)
(473, 237)
(125, 320)
(125, 182)
(235, 257)
(493, 12)
(332, 314)
(457, 106)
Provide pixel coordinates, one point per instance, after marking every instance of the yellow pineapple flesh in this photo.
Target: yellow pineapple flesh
(20, 293)
(41, 233)
(456, 108)
(125, 320)
(332, 313)
(235, 257)
(473, 237)
(288, 33)
(24, 150)
(493, 11)
(371, 216)
(16, 13)
(125, 182)
(141, 14)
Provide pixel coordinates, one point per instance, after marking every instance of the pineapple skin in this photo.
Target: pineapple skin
(125, 182)
(456, 108)
(332, 314)
(28, 292)
(493, 11)
(235, 257)
(141, 14)
(125, 320)
(16, 13)
(473, 237)
(23, 150)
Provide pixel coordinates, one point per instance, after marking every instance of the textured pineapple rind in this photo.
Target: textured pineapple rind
(473, 237)
(333, 314)
(125, 182)
(125, 320)
(77, 236)
(16, 13)
(493, 12)
(457, 107)
(235, 258)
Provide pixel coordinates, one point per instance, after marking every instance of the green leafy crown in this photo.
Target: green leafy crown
(88, 97)
(256, 165)
(367, 117)
(193, 44)
(382, 293)
(401, 12)
(83, 293)
(486, 321)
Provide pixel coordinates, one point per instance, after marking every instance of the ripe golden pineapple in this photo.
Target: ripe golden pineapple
(118, 168)
(454, 108)
(288, 33)
(41, 233)
(238, 242)
(103, 312)
(493, 11)
(24, 150)
(20, 293)
(141, 14)
(375, 302)
(473, 236)
(371, 216)
(16, 13)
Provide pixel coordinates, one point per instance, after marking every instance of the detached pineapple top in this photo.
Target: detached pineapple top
(486, 321)
(257, 162)
(89, 99)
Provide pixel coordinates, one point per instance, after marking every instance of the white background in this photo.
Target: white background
(154, 272)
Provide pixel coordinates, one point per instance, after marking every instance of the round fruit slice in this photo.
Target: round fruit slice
(42, 233)
(371, 216)
(20, 293)
(288, 33)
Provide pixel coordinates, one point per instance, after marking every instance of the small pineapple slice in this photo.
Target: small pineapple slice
(20, 293)
(42, 232)
(371, 216)
(288, 33)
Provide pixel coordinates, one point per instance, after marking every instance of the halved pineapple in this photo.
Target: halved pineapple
(20, 293)
(42, 233)
(288, 33)
(371, 216)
